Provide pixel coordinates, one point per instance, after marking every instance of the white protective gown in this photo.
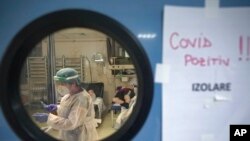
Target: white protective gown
(75, 120)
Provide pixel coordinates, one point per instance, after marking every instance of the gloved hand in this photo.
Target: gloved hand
(50, 107)
(41, 117)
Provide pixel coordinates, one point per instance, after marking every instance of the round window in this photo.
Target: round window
(75, 75)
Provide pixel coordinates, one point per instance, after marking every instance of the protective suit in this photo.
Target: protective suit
(75, 117)
(75, 120)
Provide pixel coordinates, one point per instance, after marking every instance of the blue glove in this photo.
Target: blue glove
(50, 107)
(41, 117)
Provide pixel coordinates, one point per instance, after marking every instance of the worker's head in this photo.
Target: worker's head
(68, 76)
(66, 80)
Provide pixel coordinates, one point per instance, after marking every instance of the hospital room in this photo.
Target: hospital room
(100, 64)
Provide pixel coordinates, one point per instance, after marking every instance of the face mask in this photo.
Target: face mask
(62, 90)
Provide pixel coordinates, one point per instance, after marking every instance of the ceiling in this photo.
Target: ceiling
(78, 34)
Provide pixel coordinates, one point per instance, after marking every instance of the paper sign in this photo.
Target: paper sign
(210, 61)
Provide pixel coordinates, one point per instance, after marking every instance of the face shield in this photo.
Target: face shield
(66, 75)
(61, 90)
(63, 77)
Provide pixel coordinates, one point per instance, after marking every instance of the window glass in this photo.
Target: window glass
(104, 68)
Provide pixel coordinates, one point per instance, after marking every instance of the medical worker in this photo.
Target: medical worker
(74, 118)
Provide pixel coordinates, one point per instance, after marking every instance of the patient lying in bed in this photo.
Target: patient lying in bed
(129, 98)
(92, 94)
(99, 105)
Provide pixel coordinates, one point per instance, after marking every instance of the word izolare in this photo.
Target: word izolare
(211, 87)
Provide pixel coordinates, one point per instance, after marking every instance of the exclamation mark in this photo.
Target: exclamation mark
(248, 48)
(241, 47)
